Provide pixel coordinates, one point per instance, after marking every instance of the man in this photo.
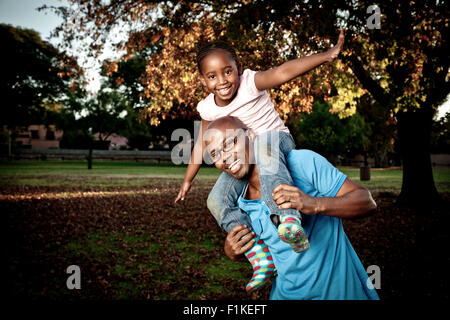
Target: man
(330, 269)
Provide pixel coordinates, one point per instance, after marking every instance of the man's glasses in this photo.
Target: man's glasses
(228, 144)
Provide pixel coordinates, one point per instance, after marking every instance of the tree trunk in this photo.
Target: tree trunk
(364, 170)
(414, 130)
(89, 158)
(364, 173)
(9, 145)
(380, 157)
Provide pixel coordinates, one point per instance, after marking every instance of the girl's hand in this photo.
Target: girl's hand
(185, 186)
(334, 52)
(239, 240)
(286, 197)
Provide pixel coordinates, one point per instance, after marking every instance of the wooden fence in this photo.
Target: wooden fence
(78, 154)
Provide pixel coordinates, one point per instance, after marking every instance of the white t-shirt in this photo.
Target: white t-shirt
(252, 106)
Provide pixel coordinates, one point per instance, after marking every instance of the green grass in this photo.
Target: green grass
(116, 168)
(136, 174)
(147, 253)
(103, 173)
(390, 179)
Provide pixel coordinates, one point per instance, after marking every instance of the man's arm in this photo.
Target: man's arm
(289, 70)
(352, 200)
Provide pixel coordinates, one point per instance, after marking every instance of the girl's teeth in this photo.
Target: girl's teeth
(224, 91)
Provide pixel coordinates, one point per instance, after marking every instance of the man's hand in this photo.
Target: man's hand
(239, 240)
(286, 197)
(351, 201)
(334, 52)
(183, 191)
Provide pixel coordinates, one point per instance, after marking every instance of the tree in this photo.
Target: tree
(321, 131)
(128, 77)
(440, 135)
(403, 65)
(106, 113)
(35, 76)
(171, 79)
(357, 136)
(330, 135)
(382, 134)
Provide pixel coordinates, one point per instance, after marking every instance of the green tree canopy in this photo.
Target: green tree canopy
(328, 134)
(35, 76)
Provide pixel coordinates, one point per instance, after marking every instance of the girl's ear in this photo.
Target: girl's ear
(239, 66)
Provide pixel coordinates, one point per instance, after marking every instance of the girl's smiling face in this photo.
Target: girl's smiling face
(220, 74)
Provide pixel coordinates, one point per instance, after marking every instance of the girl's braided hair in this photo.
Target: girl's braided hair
(210, 47)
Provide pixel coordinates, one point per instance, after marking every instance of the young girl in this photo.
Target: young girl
(244, 96)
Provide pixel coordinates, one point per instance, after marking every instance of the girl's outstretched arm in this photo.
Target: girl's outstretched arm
(194, 163)
(289, 70)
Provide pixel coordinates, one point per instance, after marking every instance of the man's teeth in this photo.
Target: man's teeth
(234, 164)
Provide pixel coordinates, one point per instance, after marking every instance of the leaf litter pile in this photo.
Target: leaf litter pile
(133, 243)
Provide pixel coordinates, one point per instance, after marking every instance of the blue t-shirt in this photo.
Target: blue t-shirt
(330, 269)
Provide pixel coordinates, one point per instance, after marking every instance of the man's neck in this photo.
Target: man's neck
(253, 188)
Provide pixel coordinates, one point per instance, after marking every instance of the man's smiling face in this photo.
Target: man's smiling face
(229, 149)
(221, 76)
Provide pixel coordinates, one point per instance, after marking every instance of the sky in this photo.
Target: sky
(23, 13)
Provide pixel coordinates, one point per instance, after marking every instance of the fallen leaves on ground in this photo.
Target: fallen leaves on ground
(134, 243)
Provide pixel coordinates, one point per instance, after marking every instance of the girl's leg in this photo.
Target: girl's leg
(271, 150)
(262, 262)
(222, 202)
(291, 231)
